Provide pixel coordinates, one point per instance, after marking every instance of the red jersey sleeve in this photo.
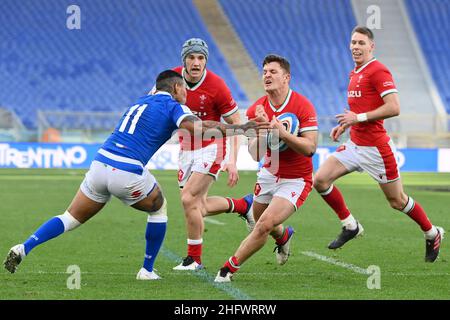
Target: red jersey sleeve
(251, 112)
(178, 69)
(224, 100)
(308, 117)
(383, 82)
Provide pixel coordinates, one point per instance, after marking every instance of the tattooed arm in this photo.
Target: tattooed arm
(214, 128)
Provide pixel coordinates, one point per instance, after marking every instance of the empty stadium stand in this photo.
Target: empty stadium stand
(431, 21)
(104, 66)
(318, 51)
(122, 45)
(396, 46)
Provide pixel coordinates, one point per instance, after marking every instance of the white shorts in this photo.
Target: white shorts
(102, 181)
(379, 162)
(268, 186)
(207, 160)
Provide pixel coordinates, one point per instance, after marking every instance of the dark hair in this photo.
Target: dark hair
(284, 63)
(364, 30)
(166, 80)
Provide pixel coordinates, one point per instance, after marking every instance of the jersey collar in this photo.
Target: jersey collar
(364, 65)
(286, 101)
(163, 93)
(198, 83)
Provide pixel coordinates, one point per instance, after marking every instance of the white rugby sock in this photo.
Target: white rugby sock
(349, 223)
(69, 221)
(431, 234)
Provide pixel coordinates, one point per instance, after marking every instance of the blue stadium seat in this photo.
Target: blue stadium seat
(318, 52)
(431, 21)
(113, 59)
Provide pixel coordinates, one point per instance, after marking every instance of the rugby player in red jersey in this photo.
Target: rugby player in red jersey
(372, 97)
(201, 160)
(285, 180)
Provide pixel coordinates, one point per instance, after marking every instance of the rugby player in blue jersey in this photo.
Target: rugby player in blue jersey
(119, 169)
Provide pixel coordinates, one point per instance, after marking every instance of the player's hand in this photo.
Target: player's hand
(348, 118)
(336, 132)
(276, 124)
(261, 115)
(259, 119)
(233, 175)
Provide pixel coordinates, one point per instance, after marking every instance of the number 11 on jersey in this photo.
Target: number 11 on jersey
(140, 109)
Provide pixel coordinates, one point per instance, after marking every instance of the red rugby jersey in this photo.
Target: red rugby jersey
(291, 164)
(209, 99)
(368, 85)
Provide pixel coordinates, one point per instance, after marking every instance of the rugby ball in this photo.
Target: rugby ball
(291, 123)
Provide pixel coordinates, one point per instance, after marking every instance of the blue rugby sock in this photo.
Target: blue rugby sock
(154, 235)
(49, 230)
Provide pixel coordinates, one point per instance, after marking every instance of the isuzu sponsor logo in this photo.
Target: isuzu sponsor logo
(354, 94)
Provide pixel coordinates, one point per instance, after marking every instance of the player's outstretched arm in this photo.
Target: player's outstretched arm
(214, 128)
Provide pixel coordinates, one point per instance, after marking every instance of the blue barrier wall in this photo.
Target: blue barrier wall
(79, 156)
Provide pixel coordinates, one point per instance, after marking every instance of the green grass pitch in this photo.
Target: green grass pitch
(109, 248)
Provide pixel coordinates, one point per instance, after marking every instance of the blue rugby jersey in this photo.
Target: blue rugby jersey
(141, 131)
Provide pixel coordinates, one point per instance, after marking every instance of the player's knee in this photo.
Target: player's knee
(320, 183)
(396, 203)
(188, 199)
(263, 227)
(159, 215)
(69, 221)
(159, 201)
(156, 198)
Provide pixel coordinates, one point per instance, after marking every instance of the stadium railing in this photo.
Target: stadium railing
(76, 126)
(11, 127)
(95, 127)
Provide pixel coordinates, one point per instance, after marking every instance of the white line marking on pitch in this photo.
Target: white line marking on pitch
(244, 274)
(336, 262)
(213, 221)
(203, 275)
